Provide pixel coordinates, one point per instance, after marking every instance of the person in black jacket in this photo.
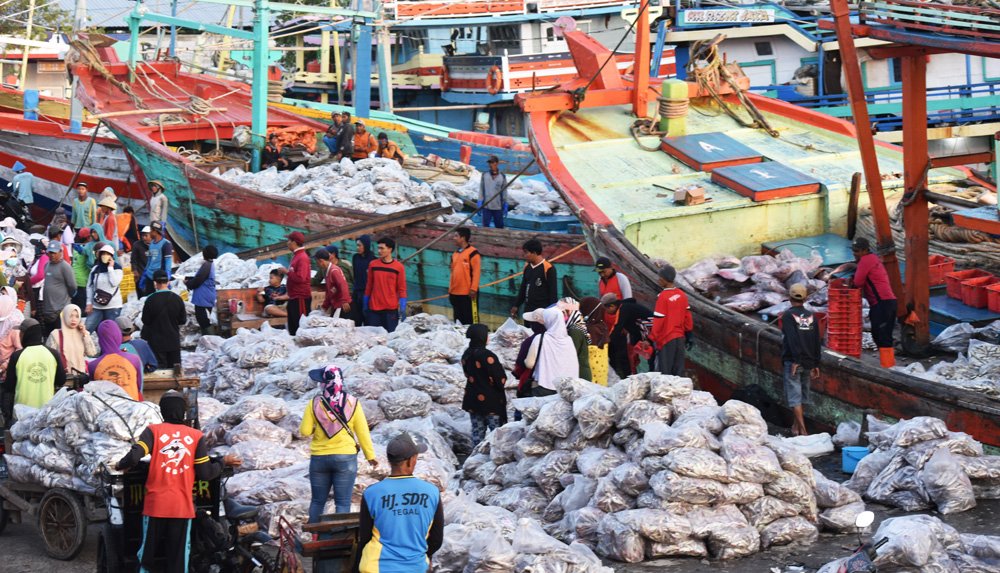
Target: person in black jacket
(484, 399)
(140, 253)
(626, 333)
(539, 283)
(800, 353)
(163, 314)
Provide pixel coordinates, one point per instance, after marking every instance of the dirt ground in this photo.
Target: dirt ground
(22, 550)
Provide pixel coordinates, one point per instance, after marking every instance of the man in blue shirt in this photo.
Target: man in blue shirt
(402, 519)
(21, 184)
(159, 257)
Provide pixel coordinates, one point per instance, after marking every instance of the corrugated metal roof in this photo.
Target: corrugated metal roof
(114, 13)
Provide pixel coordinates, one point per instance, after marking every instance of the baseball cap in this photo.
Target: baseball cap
(81, 184)
(667, 273)
(54, 247)
(145, 230)
(333, 250)
(125, 325)
(107, 249)
(27, 323)
(861, 244)
(160, 276)
(609, 298)
(329, 372)
(359, 122)
(83, 233)
(402, 447)
(798, 292)
(156, 226)
(297, 236)
(322, 254)
(602, 263)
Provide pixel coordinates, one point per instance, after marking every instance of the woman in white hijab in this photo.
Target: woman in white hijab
(552, 354)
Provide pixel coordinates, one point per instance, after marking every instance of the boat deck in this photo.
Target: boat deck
(635, 190)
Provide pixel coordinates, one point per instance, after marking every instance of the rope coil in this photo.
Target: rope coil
(673, 108)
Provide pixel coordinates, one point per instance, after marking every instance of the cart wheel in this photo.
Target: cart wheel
(108, 556)
(267, 563)
(62, 523)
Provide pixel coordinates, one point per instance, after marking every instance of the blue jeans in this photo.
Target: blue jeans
(494, 215)
(387, 319)
(99, 315)
(334, 470)
(331, 144)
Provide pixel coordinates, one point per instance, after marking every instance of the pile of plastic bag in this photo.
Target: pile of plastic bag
(977, 367)
(930, 545)
(230, 271)
(66, 442)
(382, 186)
(919, 464)
(651, 468)
(762, 281)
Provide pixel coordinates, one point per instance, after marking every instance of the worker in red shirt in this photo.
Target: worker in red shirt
(672, 324)
(177, 456)
(299, 291)
(335, 285)
(385, 293)
(872, 278)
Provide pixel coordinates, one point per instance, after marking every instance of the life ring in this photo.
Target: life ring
(445, 79)
(494, 80)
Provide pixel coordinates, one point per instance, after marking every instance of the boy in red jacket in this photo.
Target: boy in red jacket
(672, 325)
(299, 291)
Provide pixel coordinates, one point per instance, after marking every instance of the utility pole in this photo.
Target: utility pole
(261, 45)
(25, 49)
(384, 61)
(75, 107)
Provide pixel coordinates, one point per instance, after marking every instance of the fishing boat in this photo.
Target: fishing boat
(773, 172)
(184, 153)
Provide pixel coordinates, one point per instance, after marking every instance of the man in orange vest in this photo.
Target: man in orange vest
(466, 268)
(388, 149)
(177, 456)
(611, 280)
(364, 143)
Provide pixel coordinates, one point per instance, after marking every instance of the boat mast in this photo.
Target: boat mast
(258, 89)
(75, 106)
(384, 60)
(23, 76)
(362, 64)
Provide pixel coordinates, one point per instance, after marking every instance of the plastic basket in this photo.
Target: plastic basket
(938, 267)
(849, 347)
(974, 292)
(128, 283)
(953, 280)
(993, 297)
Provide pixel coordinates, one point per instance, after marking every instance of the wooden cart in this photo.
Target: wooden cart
(336, 549)
(62, 515)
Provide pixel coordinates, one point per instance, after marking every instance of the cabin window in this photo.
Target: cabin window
(761, 72)
(991, 69)
(505, 38)
(763, 48)
(896, 67)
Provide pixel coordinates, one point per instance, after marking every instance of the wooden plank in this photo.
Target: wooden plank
(940, 23)
(968, 32)
(907, 10)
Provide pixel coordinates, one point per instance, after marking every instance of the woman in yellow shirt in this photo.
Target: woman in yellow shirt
(335, 421)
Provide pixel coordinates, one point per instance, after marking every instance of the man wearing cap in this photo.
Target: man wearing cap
(402, 517)
(388, 149)
(158, 204)
(345, 139)
(466, 270)
(627, 323)
(672, 324)
(297, 281)
(178, 456)
(136, 346)
(59, 287)
(332, 133)
(611, 280)
(364, 143)
(872, 278)
(21, 185)
(800, 354)
(337, 295)
(163, 315)
(345, 266)
(34, 372)
(160, 257)
(385, 290)
(493, 194)
(106, 214)
(83, 262)
(84, 208)
(140, 253)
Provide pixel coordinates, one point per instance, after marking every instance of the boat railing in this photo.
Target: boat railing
(969, 22)
(958, 104)
(410, 9)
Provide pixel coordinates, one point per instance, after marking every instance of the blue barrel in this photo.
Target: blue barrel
(851, 455)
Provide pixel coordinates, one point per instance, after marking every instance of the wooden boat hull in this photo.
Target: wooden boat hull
(734, 351)
(53, 156)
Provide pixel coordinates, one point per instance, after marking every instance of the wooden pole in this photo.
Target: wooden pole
(915, 210)
(640, 68)
(23, 76)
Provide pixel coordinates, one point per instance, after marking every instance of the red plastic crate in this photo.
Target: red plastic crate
(850, 347)
(974, 291)
(953, 280)
(938, 267)
(993, 297)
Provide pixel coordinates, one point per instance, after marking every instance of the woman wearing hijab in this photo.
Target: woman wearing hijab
(592, 312)
(577, 331)
(359, 264)
(335, 421)
(104, 294)
(485, 399)
(72, 341)
(10, 319)
(552, 355)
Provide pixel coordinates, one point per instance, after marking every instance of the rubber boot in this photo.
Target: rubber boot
(887, 357)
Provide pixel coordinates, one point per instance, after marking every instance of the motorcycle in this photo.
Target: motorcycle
(863, 558)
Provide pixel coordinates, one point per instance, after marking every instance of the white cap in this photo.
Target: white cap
(147, 229)
(107, 249)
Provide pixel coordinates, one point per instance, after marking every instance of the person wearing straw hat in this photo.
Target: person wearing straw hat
(158, 203)
(109, 222)
(84, 212)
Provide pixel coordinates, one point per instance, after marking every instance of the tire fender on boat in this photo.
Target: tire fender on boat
(494, 80)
